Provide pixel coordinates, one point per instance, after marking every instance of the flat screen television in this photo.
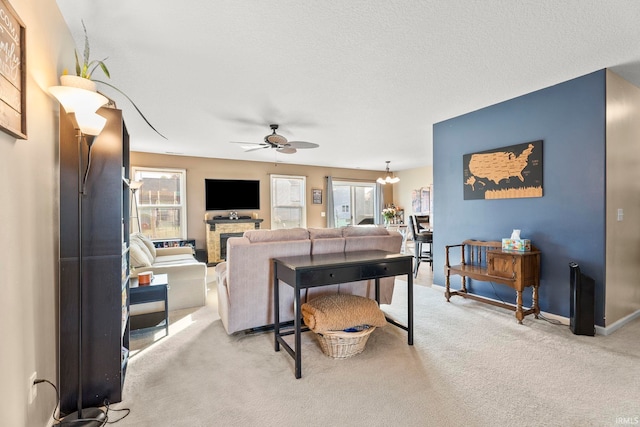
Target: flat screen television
(231, 194)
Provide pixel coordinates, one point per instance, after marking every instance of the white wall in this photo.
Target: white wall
(29, 225)
(623, 175)
(410, 179)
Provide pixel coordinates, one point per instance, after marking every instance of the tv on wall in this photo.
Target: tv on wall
(231, 194)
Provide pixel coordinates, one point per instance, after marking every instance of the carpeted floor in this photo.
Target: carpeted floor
(471, 365)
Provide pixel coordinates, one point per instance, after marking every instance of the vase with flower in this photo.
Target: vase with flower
(389, 214)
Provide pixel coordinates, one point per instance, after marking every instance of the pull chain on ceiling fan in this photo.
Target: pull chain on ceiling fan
(278, 142)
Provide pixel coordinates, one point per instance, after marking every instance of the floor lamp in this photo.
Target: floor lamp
(81, 106)
(134, 186)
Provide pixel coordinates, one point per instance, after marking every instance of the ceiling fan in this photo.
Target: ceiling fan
(278, 142)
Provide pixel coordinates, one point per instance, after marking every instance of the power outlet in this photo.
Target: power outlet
(33, 389)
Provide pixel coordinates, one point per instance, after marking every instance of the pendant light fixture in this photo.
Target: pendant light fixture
(389, 178)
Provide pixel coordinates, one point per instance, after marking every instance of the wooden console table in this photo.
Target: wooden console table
(487, 262)
(308, 271)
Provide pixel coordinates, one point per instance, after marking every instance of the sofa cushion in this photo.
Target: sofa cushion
(364, 230)
(324, 233)
(327, 246)
(137, 255)
(180, 259)
(255, 236)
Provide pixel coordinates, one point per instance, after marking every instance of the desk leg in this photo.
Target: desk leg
(166, 310)
(519, 312)
(296, 322)
(276, 308)
(410, 308)
(377, 281)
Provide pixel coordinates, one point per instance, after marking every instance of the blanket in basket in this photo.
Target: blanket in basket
(341, 311)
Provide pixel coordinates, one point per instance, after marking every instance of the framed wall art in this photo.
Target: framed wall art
(317, 196)
(508, 172)
(13, 67)
(421, 201)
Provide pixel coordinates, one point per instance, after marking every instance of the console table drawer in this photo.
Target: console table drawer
(329, 276)
(383, 270)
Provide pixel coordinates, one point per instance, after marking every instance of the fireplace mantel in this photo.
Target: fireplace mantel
(225, 226)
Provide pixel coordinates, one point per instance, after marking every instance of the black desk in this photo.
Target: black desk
(302, 272)
(157, 291)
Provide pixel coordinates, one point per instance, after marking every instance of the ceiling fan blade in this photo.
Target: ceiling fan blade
(247, 143)
(286, 150)
(256, 148)
(302, 144)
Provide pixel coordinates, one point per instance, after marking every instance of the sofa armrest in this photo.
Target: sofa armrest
(195, 269)
(221, 269)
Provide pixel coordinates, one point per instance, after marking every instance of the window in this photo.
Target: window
(162, 203)
(354, 203)
(288, 202)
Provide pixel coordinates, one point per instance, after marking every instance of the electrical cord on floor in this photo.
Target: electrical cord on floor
(496, 293)
(552, 321)
(53, 415)
(127, 411)
(540, 315)
(62, 422)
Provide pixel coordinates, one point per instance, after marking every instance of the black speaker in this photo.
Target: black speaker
(582, 307)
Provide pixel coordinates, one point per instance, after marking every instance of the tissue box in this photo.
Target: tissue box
(516, 244)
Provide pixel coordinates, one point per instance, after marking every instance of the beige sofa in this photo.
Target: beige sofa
(245, 291)
(187, 277)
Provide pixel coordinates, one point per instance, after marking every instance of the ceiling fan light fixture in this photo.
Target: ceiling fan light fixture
(277, 142)
(389, 178)
(276, 139)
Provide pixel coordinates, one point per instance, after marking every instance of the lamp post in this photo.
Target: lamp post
(81, 105)
(134, 186)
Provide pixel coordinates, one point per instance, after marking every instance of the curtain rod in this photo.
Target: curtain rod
(352, 179)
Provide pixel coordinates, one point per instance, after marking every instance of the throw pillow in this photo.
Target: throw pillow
(149, 245)
(137, 255)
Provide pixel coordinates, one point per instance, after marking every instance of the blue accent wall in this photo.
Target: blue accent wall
(567, 223)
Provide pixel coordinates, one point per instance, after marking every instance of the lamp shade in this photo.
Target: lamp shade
(90, 123)
(74, 99)
(388, 180)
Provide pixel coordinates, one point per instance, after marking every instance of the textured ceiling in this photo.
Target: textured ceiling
(364, 79)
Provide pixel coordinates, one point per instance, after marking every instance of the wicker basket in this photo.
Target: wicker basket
(341, 344)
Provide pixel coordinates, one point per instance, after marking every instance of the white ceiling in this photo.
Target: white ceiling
(364, 79)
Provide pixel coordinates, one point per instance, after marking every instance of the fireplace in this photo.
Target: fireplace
(223, 243)
(219, 230)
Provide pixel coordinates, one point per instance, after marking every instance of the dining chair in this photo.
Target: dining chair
(420, 238)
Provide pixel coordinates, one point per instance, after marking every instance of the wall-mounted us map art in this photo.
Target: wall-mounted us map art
(504, 173)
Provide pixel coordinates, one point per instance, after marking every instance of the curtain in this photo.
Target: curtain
(377, 207)
(331, 218)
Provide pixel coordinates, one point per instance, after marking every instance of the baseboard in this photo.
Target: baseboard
(607, 330)
(600, 330)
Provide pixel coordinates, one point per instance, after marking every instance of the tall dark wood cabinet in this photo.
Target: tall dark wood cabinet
(105, 254)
